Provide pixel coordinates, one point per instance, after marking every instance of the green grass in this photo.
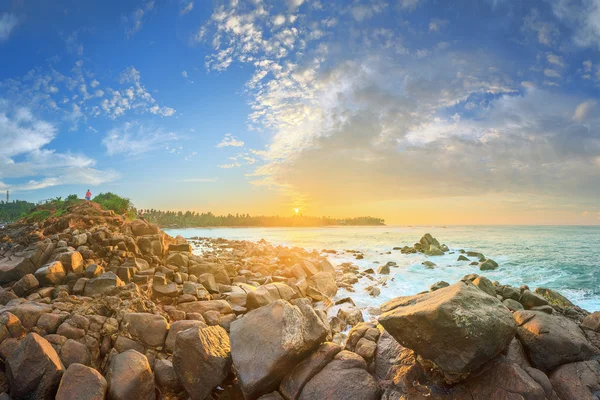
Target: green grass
(120, 205)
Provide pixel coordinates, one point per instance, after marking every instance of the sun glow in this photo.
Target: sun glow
(296, 210)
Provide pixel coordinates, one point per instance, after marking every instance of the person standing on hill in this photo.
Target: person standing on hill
(88, 195)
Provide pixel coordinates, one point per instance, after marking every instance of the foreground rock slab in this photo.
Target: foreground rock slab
(458, 328)
(268, 342)
(81, 383)
(343, 378)
(34, 369)
(551, 341)
(129, 377)
(202, 359)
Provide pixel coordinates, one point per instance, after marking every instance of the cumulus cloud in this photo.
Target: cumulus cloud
(582, 17)
(230, 141)
(8, 22)
(134, 138)
(229, 166)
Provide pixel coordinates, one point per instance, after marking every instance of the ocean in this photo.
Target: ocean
(564, 258)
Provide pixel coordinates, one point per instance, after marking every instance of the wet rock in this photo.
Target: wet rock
(530, 300)
(488, 265)
(269, 341)
(384, 269)
(462, 258)
(551, 341)
(592, 322)
(129, 377)
(429, 264)
(459, 328)
(81, 383)
(33, 370)
(293, 383)
(345, 377)
(202, 359)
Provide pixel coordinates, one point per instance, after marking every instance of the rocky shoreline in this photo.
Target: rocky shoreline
(94, 307)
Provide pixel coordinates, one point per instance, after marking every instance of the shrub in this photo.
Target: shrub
(72, 197)
(120, 205)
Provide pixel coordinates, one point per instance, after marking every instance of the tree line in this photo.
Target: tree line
(192, 219)
(13, 210)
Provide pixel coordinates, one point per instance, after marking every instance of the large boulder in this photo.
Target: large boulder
(28, 313)
(293, 383)
(202, 359)
(267, 294)
(101, 284)
(71, 261)
(343, 378)
(25, 285)
(129, 377)
(324, 282)
(459, 328)
(81, 383)
(51, 274)
(551, 341)
(179, 326)
(577, 381)
(151, 329)
(33, 370)
(269, 341)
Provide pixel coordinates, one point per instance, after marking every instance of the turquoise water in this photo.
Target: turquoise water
(564, 258)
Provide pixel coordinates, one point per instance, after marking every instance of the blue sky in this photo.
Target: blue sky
(419, 111)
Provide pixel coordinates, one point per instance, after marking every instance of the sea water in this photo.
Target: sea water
(564, 258)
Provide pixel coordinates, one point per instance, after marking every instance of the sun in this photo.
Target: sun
(296, 210)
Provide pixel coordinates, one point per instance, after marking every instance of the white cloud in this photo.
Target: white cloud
(8, 22)
(551, 73)
(587, 66)
(135, 20)
(545, 31)
(554, 59)
(228, 166)
(184, 73)
(583, 110)
(278, 20)
(187, 6)
(135, 139)
(435, 25)
(294, 4)
(583, 17)
(230, 140)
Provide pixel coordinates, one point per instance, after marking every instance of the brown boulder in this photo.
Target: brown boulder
(129, 377)
(551, 341)
(202, 359)
(151, 329)
(269, 341)
(459, 328)
(293, 383)
(33, 370)
(81, 383)
(343, 378)
(577, 381)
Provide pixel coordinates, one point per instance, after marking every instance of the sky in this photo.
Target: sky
(416, 111)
